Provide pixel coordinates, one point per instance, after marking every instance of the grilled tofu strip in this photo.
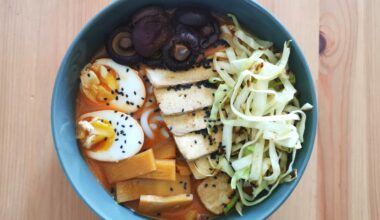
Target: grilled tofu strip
(163, 78)
(186, 123)
(194, 145)
(215, 192)
(183, 99)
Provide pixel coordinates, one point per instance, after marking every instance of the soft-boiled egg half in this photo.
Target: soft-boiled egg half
(109, 135)
(112, 84)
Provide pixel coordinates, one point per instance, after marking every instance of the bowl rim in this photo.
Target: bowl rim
(252, 3)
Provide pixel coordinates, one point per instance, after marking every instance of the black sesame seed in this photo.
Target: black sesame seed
(116, 139)
(127, 70)
(123, 151)
(115, 111)
(118, 78)
(195, 141)
(138, 106)
(117, 134)
(134, 92)
(183, 110)
(126, 95)
(117, 98)
(117, 123)
(126, 117)
(130, 126)
(125, 141)
(112, 92)
(114, 129)
(122, 115)
(122, 89)
(121, 146)
(123, 126)
(139, 142)
(88, 75)
(150, 100)
(142, 98)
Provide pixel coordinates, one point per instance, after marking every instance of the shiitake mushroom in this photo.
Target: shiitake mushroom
(194, 17)
(150, 34)
(120, 47)
(181, 52)
(201, 20)
(151, 11)
(152, 39)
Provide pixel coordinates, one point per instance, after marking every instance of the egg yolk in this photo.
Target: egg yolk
(99, 83)
(96, 134)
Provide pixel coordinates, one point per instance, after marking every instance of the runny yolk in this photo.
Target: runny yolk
(99, 83)
(100, 138)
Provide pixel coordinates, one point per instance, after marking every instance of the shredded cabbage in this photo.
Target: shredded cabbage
(263, 123)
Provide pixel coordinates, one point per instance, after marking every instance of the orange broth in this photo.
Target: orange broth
(192, 211)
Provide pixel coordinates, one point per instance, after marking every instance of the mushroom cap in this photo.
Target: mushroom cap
(195, 17)
(147, 12)
(190, 40)
(120, 48)
(150, 34)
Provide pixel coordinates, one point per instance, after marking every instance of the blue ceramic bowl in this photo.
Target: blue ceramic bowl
(92, 37)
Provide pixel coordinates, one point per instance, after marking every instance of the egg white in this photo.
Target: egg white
(128, 140)
(131, 93)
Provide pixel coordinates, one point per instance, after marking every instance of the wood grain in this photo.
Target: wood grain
(348, 175)
(342, 178)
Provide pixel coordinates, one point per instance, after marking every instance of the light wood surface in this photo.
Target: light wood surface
(342, 179)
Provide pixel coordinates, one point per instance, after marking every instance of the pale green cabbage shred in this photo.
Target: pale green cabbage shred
(263, 123)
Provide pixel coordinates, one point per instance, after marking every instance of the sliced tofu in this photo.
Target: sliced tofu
(194, 145)
(186, 123)
(183, 99)
(215, 192)
(200, 168)
(163, 78)
(151, 203)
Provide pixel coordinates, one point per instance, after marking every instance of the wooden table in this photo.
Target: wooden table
(340, 39)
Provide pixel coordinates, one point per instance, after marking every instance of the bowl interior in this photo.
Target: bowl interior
(89, 40)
